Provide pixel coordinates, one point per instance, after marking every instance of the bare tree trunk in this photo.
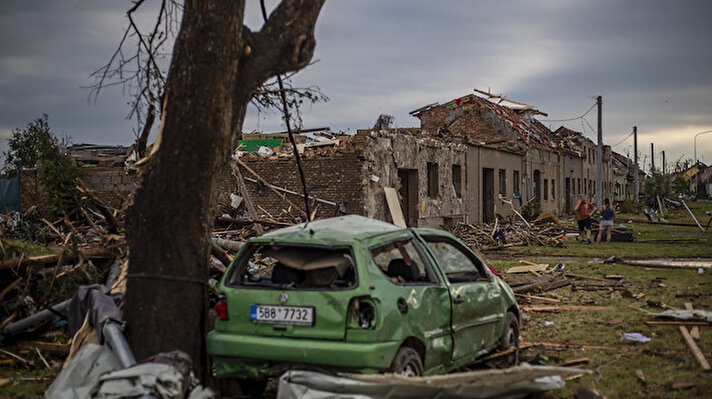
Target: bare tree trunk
(217, 65)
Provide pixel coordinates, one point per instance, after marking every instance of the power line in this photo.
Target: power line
(624, 139)
(571, 119)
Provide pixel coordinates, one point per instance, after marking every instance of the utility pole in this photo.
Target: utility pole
(636, 188)
(599, 160)
(652, 158)
(664, 165)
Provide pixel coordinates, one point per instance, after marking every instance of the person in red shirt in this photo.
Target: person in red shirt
(584, 210)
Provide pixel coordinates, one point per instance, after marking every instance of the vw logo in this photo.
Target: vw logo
(283, 297)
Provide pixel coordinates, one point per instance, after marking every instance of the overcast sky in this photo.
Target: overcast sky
(651, 60)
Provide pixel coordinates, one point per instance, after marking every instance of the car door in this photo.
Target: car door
(474, 293)
(415, 301)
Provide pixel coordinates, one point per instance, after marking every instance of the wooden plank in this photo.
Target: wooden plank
(527, 269)
(677, 323)
(555, 308)
(538, 298)
(694, 331)
(394, 206)
(246, 196)
(581, 276)
(573, 362)
(694, 348)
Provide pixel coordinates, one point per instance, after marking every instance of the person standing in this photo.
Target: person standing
(606, 224)
(584, 210)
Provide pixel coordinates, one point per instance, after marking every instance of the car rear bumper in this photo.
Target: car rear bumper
(246, 356)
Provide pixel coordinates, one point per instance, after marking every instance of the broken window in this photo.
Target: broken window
(553, 189)
(579, 185)
(585, 186)
(457, 262)
(401, 262)
(433, 180)
(515, 181)
(295, 267)
(546, 189)
(456, 181)
(502, 182)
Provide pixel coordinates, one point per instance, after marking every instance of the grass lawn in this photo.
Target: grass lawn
(665, 362)
(691, 241)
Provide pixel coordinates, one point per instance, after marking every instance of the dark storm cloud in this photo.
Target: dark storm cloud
(650, 61)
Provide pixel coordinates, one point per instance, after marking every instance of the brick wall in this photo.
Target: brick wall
(30, 193)
(112, 185)
(338, 178)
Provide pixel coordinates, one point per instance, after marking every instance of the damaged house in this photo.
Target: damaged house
(470, 159)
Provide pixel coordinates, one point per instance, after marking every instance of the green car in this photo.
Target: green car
(357, 295)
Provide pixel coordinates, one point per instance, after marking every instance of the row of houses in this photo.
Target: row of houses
(469, 160)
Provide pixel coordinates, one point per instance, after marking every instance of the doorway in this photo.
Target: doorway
(487, 195)
(408, 192)
(567, 196)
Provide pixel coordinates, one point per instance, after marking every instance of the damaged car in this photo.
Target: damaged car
(354, 294)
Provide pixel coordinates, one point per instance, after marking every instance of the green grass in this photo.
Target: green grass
(697, 243)
(617, 366)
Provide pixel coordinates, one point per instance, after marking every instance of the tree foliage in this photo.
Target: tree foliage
(657, 185)
(27, 146)
(37, 147)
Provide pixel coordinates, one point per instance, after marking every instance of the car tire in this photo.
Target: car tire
(241, 388)
(510, 332)
(407, 363)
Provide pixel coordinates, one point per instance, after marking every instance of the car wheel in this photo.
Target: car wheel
(407, 363)
(241, 388)
(510, 333)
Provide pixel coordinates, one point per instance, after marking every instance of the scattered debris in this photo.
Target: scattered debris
(635, 336)
(517, 381)
(481, 236)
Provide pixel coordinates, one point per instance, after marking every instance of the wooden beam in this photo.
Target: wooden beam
(394, 206)
(678, 323)
(694, 348)
(91, 253)
(281, 196)
(694, 331)
(555, 308)
(527, 269)
(246, 196)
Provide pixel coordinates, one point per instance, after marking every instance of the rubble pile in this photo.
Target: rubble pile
(503, 234)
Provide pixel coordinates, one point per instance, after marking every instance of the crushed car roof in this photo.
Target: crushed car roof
(333, 230)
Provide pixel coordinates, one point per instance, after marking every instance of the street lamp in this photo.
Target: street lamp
(695, 142)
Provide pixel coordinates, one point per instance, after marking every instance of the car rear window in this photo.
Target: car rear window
(294, 267)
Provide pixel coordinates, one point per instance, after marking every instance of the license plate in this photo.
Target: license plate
(269, 314)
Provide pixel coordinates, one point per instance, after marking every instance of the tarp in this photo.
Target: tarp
(514, 382)
(253, 145)
(80, 376)
(10, 195)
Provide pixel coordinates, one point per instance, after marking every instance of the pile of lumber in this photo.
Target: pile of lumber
(503, 234)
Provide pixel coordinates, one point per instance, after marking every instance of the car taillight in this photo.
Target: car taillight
(221, 309)
(494, 272)
(363, 313)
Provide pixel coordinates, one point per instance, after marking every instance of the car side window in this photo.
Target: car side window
(402, 263)
(457, 265)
